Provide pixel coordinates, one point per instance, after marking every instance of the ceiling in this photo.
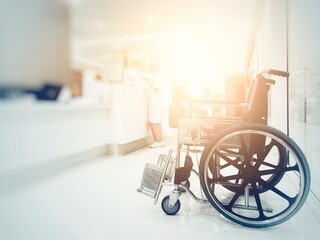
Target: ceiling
(202, 38)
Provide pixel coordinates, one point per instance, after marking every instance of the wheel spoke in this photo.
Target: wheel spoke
(224, 178)
(281, 193)
(243, 147)
(269, 165)
(236, 196)
(228, 178)
(226, 165)
(228, 150)
(228, 160)
(258, 202)
(210, 180)
(266, 151)
(275, 171)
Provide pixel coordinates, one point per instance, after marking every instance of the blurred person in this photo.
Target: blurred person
(155, 81)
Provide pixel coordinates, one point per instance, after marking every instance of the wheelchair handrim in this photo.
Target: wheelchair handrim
(278, 218)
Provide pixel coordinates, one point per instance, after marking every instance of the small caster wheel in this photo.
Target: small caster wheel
(170, 210)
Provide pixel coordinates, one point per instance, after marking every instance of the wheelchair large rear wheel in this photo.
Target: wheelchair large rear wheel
(279, 161)
(243, 178)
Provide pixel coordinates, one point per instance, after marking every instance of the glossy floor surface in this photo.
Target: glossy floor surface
(98, 200)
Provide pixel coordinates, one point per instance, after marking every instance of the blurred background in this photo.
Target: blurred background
(71, 70)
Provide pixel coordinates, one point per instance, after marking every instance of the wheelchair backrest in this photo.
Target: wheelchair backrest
(257, 100)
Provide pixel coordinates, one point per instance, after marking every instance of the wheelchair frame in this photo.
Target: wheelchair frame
(245, 164)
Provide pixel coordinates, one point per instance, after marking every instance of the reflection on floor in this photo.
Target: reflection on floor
(98, 200)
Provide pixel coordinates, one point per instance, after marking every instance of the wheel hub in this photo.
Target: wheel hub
(250, 174)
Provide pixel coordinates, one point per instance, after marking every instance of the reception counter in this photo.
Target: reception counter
(34, 133)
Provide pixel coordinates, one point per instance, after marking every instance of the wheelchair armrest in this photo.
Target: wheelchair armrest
(209, 101)
(209, 108)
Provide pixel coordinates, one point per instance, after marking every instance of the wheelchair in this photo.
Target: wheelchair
(251, 173)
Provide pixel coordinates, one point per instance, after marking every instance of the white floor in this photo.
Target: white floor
(98, 200)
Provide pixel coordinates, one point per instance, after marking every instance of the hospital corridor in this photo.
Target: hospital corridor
(173, 119)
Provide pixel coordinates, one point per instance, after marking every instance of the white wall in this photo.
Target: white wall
(34, 42)
(271, 53)
(304, 64)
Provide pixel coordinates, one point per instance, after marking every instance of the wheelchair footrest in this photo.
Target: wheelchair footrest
(153, 177)
(147, 192)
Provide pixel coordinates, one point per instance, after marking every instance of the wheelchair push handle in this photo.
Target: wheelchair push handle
(278, 73)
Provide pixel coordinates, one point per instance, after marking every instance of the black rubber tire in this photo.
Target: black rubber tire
(254, 178)
(167, 209)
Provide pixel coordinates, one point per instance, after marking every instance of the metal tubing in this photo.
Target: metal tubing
(162, 176)
(187, 191)
(173, 197)
(246, 196)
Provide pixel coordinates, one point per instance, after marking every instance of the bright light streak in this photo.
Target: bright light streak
(189, 47)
